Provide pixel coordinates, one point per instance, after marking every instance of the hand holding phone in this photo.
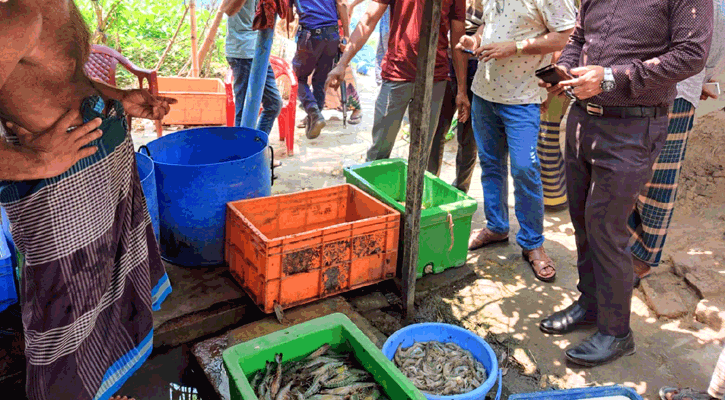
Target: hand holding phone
(552, 74)
(713, 87)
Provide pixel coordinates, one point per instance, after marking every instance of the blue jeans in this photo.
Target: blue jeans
(502, 130)
(271, 100)
(316, 53)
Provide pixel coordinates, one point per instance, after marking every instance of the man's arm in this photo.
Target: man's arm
(690, 36)
(342, 14)
(231, 7)
(359, 37)
(571, 53)
(354, 4)
(460, 66)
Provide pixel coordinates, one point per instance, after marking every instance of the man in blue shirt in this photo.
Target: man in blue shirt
(241, 41)
(318, 44)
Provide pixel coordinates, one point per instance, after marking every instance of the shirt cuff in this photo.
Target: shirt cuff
(623, 75)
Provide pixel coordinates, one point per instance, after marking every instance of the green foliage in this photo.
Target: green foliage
(141, 29)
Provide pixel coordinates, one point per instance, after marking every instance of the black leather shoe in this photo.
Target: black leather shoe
(567, 320)
(600, 349)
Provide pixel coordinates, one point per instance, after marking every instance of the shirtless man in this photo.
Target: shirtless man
(92, 273)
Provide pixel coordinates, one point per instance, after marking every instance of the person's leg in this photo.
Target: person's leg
(549, 151)
(240, 70)
(651, 218)
(271, 103)
(390, 107)
(621, 153)
(329, 47)
(522, 127)
(490, 136)
(443, 124)
(717, 383)
(304, 64)
(467, 149)
(578, 182)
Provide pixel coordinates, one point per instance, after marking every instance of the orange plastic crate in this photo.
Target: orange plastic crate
(296, 248)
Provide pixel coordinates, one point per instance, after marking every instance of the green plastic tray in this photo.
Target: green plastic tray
(386, 181)
(295, 343)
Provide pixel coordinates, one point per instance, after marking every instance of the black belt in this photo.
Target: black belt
(320, 31)
(622, 112)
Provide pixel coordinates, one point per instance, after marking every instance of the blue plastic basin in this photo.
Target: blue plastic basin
(446, 333)
(198, 171)
(148, 183)
(8, 292)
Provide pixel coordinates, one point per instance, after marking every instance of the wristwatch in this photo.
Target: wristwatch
(608, 83)
(519, 48)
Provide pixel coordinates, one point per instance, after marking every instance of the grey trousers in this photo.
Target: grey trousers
(391, 105)
(608, 162)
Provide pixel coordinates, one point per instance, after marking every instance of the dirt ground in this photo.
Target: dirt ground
(497, 296)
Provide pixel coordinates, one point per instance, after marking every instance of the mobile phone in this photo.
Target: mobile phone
(552, 74)
(714, 87)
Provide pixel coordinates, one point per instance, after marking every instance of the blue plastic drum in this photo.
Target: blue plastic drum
(198, 171)
(148, 183)
(446, 333)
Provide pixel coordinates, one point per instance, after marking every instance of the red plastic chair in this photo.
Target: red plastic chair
(101, 66)
(286, 119)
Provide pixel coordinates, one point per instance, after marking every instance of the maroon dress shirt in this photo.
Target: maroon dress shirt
(649, 44)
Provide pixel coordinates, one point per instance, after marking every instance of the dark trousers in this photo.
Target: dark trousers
(315, 56)
(466, 154)
(608, 162)
(271, 99)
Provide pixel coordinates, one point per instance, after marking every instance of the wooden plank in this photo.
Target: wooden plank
(173, 39)
(194, 54)
(420, 142)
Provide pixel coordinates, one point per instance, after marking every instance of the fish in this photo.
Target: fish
(277, 379)
(440, 368)
(322, 375)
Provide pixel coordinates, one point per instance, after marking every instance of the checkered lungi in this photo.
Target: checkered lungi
(652, 214)
(553, 177)
(92, 272)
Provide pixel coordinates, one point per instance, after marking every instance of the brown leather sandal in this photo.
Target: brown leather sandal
(539, 261)
(485, 237)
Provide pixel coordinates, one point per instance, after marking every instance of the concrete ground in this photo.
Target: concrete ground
(497, 296)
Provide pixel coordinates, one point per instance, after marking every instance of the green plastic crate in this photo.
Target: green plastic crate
(386, 181)
(295, 343)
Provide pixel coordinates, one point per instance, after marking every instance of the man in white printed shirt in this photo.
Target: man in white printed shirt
(516, 39)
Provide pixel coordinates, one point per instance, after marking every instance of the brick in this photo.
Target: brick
(661, 294)
(711, 313)
(707, 281)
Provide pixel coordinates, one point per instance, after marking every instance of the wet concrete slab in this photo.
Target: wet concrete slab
(208, 353)
(203, 301)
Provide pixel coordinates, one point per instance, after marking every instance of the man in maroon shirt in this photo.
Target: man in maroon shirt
(400, 65)
(626, 58)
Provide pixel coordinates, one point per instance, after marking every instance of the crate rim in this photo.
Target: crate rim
(582, 393)
(287, 238)
(466, 202)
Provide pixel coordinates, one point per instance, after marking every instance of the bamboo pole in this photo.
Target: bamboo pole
(211, 36)
(173, 38)
(194, 58)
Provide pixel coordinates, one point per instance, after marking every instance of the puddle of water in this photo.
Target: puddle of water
(168, 374)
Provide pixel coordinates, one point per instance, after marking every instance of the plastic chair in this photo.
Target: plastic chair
(286, 120)
(101, 66)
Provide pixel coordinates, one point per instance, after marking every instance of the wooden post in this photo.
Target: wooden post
(211, 36)
(420, 142)
(194, 54)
